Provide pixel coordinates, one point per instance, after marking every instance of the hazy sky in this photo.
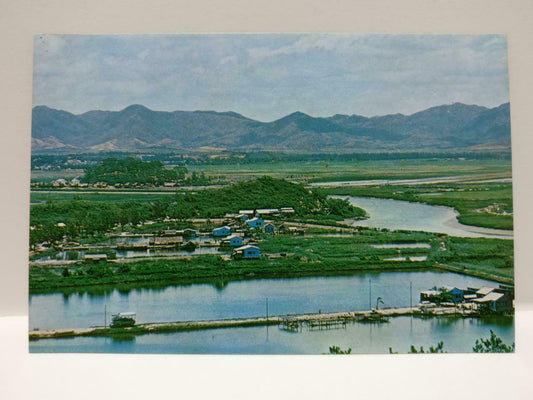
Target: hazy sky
(266, 77)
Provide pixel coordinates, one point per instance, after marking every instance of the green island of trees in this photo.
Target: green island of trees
(130, 170)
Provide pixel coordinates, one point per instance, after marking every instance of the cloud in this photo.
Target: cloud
(268, 76)
(302, 44)
(198, 70)
(143, 54)
(228, 60)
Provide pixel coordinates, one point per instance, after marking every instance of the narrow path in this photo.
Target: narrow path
(181, 326)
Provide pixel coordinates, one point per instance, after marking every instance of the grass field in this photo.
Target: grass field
(330, 170)
(321, 171)
(479, 204)
(300, 256)
(98, 196)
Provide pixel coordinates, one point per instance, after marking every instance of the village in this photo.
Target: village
(236, 236)
(244, 232)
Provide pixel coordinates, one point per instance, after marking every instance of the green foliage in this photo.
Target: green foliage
(494, 344)
(204, 268)
(197, 179)
(47, 253)
(439, 348)
(338, 350)
(47, 231)
(82, 218)
(124, 269)
(264, 192)
(99, 270)
(87, 218)
(432, 349)
(492, 256)
(130, 170)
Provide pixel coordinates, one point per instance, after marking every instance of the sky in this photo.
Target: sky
(268, 76)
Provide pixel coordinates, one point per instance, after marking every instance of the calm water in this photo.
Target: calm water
(248, 299)
(397, 214)
(240, 298)
(166, 252)
(458, 335)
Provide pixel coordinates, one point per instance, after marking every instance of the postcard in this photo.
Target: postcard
(271, 194)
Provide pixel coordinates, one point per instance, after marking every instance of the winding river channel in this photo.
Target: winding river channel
(398, 214)
(248, 298)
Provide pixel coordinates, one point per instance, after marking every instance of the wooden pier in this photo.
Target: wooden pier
(333, 323)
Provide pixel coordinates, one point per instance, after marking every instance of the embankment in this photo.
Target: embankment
(182, 326)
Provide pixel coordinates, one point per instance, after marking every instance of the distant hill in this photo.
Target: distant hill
(447, 127)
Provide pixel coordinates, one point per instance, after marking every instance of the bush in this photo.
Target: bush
(494, 344)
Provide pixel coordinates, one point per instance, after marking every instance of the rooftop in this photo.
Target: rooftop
(484, 291)
(490, 297)
(248, 246)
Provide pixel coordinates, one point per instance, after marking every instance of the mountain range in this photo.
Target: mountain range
(448, 127)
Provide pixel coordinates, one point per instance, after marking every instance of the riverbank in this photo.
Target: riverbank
(203, 269)
(477, 274)
(288, 321)
(485, 204)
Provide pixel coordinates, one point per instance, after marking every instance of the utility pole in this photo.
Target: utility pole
(411, 294)
(370, 294)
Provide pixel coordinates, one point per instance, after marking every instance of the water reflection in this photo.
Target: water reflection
(124, 338)
(400, 334)
(221, 284)
(217, 299)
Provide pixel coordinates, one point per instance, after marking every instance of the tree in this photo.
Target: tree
(494, 344)
(436, 349)
(338, 350)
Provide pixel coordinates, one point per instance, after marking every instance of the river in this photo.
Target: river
(405, 215)
(248, 298)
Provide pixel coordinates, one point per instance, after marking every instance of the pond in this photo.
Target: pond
(404, 215)
(247, 298)
(157, 252)
(458, 335)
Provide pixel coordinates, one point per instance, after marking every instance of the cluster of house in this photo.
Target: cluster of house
(246, 215)
(240, 250)
(485, 299)
(76, 183)
(231, 234)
